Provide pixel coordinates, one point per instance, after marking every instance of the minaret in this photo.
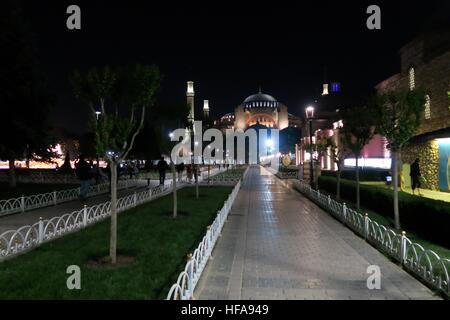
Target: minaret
(206, 109)
(325, 82)
(325, 89)
(190, 100)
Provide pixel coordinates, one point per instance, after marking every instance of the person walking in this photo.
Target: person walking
(162, 167)
(83, 172)
(180, 170)
(189, 172)
(415, 176)
(196, 172)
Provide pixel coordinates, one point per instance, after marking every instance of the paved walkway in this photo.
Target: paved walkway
(277, 244)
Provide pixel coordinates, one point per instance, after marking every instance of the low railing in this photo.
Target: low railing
(13, 242)
(42, 178)
(287, 174)
(25, 203)
(188, 279)
(423, 263)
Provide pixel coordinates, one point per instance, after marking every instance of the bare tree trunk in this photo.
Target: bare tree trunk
(338, 183)
(395, 181)
(12, 174)
(357, 185)
(196, 183)
(113, 239)
(174, 185)
(399, 166)
(196, 190)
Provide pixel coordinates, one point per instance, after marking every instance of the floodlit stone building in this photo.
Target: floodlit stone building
(425, 64)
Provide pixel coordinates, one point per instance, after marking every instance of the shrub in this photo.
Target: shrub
(428, 218)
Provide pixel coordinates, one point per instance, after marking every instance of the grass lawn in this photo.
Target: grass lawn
(388, 222)
(148, 232)
(231, 172)
(30, 189)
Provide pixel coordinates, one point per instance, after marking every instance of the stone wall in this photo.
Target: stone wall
(430, 57)
(428, 154)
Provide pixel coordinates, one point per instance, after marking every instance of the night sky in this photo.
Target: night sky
(227, 48)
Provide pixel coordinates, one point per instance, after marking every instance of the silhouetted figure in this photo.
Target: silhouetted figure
(415, 176)
(162, 166)
(180, 169)
(83, 171)
(195, 170)
(189, 170)
(66, 167)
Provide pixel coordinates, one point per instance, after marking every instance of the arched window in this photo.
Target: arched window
(412, 78)
(427, 107)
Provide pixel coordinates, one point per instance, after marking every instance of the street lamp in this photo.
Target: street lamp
(97, 114)
(309, 116)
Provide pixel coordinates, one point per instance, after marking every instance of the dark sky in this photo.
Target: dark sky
(227, 48)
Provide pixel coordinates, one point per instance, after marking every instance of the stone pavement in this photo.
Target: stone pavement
(277, 244)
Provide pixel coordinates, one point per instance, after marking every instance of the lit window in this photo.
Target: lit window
(427, 107)
(412, 80)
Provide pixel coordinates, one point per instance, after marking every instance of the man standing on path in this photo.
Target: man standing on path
(162, 167)
(83, 171)
(415, 176)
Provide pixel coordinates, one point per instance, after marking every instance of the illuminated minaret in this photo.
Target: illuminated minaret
(206, 108)
(325, 82)
(325, 89)
(190, 100)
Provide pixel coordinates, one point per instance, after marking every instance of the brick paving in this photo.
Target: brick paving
(277, 244)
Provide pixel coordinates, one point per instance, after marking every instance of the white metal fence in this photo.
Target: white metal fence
(25, 203)
(287, 174)
(13, 242)
(188, 279)
(423, 263)
(42, 178)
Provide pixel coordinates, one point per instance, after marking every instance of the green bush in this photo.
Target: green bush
(365, 174)
(428, 218)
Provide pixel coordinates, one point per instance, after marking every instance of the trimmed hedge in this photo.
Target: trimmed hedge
(365, 174)
(428, 218)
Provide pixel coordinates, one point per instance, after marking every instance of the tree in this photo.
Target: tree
(130, 92)
(398, 115)
(26, 131)
(168, 118)
(358, 129)
(338, 153)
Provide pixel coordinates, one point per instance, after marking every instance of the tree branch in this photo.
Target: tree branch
(141, 124)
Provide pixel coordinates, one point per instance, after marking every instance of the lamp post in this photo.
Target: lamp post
(309, 116)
